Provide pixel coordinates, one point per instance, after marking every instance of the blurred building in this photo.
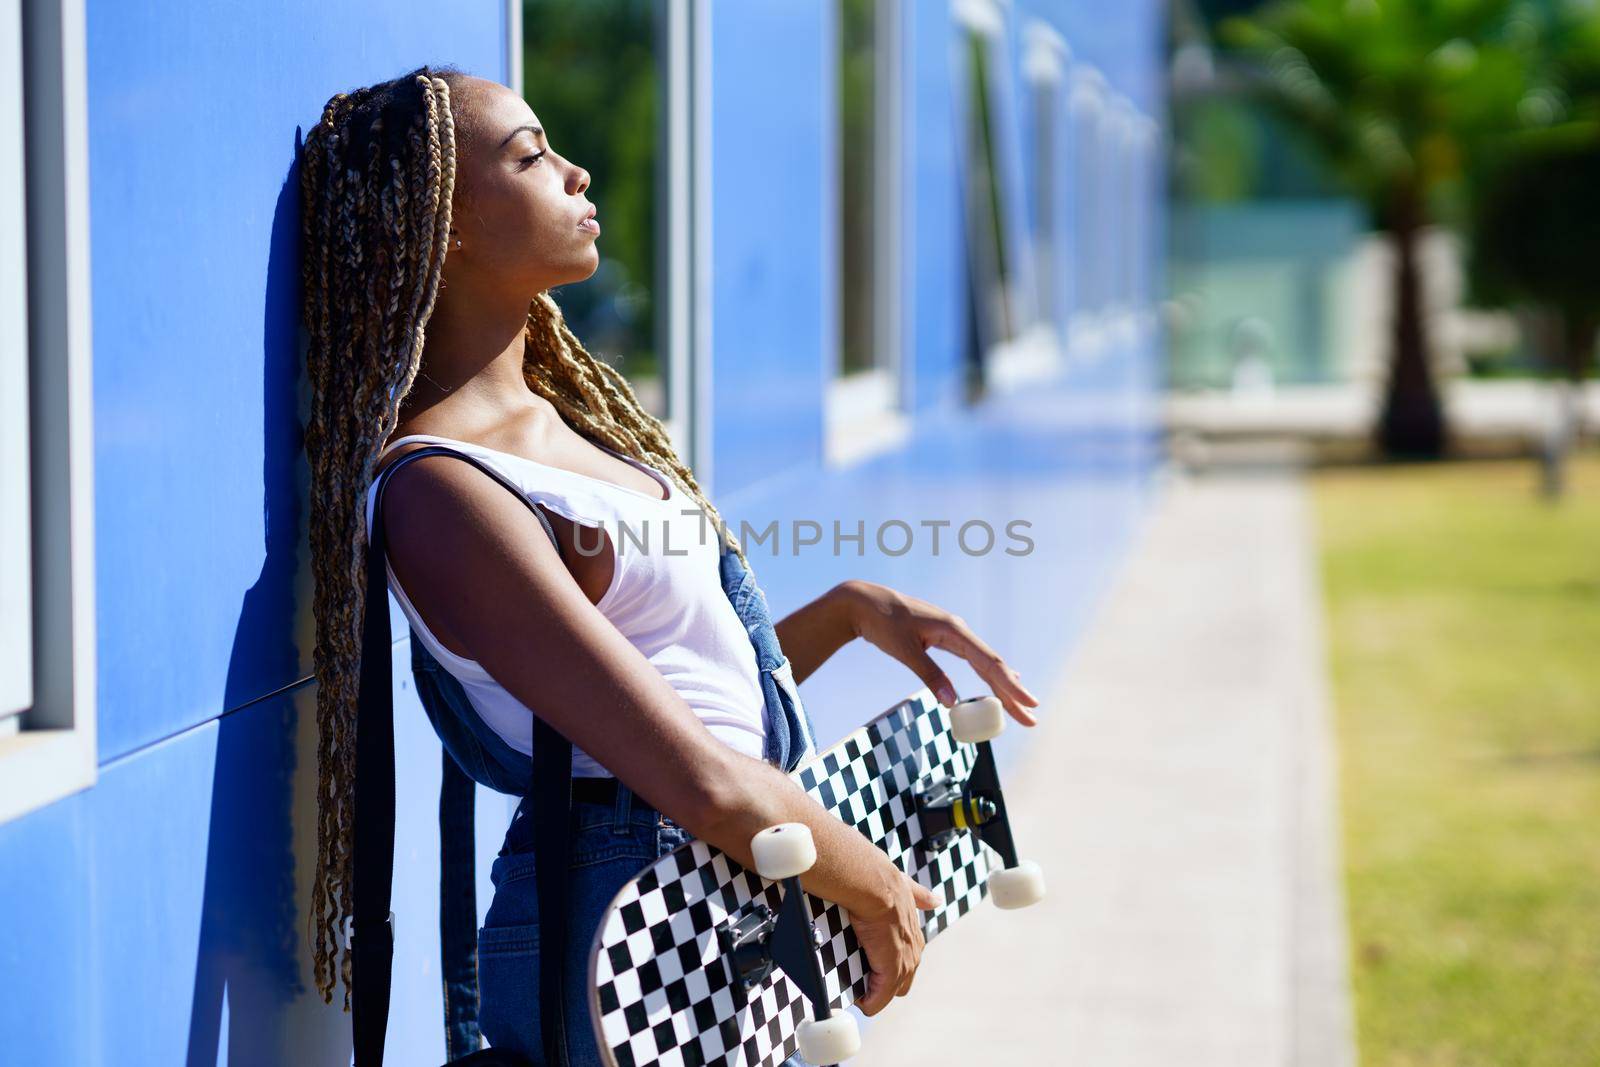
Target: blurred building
(889, 271)
(1274, 273)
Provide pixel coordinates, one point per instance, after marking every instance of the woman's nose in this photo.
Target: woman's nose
(582, 178)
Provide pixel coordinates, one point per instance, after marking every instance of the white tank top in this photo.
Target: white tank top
(665, 597)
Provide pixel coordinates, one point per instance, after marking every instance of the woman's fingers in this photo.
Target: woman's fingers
(905, 987)
(930, 673)
(873, 1002)
(1004, 682)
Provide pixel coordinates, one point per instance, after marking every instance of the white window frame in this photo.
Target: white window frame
(16, 560)
(685, 239)
(683, 228)
(54, 753)
(864, 413)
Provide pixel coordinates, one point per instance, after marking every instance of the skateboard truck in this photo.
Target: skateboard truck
(946, 808)
(748, 944)
(762, 938)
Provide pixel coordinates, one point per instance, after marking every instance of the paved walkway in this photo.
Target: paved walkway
(1180, 799)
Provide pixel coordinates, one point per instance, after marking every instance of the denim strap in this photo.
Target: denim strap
(458, 910)
(790, 737)
(552, 851)
(374, 831)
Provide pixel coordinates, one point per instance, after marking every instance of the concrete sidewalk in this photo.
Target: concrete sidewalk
(1180, 797)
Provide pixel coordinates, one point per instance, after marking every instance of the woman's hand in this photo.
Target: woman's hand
(892, 939)
(906, 628)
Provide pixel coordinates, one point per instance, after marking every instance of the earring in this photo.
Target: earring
(458, 242)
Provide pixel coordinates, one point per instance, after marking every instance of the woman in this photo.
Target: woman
(436, 202)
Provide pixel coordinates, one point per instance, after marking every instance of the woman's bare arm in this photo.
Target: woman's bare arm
(474, 560)
(809, 635)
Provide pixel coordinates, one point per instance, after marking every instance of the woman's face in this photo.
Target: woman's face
(519, 207)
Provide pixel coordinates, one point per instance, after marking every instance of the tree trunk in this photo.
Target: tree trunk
(1577, 333)
(1412, 423)
(1578, 337)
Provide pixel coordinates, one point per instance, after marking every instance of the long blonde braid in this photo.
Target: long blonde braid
(377, 180)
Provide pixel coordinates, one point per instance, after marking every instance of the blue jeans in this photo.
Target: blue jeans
(611, 843)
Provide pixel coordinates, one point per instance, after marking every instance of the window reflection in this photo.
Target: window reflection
(858, 148)
(987, 262)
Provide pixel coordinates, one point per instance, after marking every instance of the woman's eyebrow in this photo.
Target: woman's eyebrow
(535, 130)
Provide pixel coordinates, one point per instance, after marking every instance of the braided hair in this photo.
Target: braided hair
(377, 179)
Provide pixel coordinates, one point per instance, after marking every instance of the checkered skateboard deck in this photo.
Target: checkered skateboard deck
(663, 991)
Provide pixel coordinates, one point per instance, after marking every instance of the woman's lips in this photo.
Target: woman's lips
(590, 225)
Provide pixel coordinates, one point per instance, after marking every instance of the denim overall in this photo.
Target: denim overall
(610, 844)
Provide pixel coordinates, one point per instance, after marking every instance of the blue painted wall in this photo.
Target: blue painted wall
(1069, 457)
(162, 912)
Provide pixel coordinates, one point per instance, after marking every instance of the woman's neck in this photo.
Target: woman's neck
(472, 364)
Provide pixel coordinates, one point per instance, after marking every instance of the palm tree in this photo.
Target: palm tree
(1534, 235)
(1399, 96)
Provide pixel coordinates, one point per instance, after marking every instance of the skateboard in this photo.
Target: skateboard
(699, 960)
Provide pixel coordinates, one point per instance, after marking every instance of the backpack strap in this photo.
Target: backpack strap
(458, 908)
(373, 950)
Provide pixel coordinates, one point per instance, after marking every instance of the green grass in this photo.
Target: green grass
(1464, 621)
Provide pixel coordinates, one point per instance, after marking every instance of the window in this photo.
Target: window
(987, 263)
(584, 58)
(1009, 338)
(1031, 350)
(1087, 110)
(1147, 181)
(864, 410)
(1130, 143)
(1124, 165)
(47, 749)
(1044, 64)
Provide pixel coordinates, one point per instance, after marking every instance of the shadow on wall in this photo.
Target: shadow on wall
(248, 975)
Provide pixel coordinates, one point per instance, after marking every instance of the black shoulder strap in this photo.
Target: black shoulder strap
(373, 947)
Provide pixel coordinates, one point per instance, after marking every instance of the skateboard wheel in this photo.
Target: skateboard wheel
(783, 851)
(977, 719)
(831, 1040)
(1021, 886)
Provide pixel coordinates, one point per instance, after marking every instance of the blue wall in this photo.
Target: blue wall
(162, 912)
(1069, 456)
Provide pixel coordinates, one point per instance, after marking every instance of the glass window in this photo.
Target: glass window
(588, 58)
(1044, 68)
(1125, 169)
(988, 265)
(858, 149)
(863, 409)
(1044, 195)
(1088, 171)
